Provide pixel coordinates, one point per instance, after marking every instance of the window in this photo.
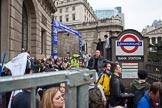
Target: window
(73, 17)
(83, 47)
(24, 28)
(159, 39)
(60, 18)
(73, 8)
(42, 41)
(67, 18)
(153, 40)
(55, 17)
(84, 18)
(161, 31)
(56, 2)
(60, 10)
(67, 9)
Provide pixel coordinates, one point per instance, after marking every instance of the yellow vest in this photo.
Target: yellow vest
(74, 62)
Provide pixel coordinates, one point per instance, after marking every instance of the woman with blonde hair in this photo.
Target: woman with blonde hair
(52, 98)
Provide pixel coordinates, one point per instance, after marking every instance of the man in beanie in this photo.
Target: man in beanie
(139, 86)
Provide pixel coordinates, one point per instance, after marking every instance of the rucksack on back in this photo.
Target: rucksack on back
(95, 98)
(139, 94)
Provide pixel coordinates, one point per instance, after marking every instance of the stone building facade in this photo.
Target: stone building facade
(26, 23)
(74, 12)
(154, 33)
(79, 15)
(90, 31)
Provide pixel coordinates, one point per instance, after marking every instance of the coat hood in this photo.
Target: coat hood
(139, 84)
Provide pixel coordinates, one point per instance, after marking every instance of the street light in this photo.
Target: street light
(107, 46)
(86, 46)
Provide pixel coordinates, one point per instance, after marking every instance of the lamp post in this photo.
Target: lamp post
(86, 46)
(107, 46)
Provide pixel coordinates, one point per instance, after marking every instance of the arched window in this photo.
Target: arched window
(24, 28)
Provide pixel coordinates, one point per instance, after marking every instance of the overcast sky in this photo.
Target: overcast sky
(138, 13)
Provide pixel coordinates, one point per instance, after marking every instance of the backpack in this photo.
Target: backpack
(139, 94)
(95, 98)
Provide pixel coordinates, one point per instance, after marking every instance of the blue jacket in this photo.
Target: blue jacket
(145, 101)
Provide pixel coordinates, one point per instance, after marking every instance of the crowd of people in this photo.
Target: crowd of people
(140, 94)
(13, 99)
(108, 81)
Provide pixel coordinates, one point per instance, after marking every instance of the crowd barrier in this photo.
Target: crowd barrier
(77, 81)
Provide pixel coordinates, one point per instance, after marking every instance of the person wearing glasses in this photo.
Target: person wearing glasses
(151, 97)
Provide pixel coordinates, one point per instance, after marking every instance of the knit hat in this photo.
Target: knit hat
(142, 74)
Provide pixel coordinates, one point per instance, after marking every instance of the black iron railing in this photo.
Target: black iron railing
(154, 71)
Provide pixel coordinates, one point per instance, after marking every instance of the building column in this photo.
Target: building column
(150, 40)
(156, 40)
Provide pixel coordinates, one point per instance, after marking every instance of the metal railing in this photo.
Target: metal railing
(77, 81)
(155, 72)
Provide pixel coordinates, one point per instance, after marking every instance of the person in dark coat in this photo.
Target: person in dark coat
(23, 100)
(96, 62)
(99, 46)
(116, 86)
(140, 83)
(139, 86)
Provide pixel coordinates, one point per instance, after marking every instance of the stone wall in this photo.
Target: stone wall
(90, 31)
(38, 30)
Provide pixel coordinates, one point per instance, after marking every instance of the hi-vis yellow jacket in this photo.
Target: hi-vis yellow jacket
(74, 62)
(104, 82)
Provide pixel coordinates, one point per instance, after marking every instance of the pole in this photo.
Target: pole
(3, 60)
(86, 46)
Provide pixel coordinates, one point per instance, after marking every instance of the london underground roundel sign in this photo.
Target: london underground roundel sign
(129, 44)
(135, 40)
